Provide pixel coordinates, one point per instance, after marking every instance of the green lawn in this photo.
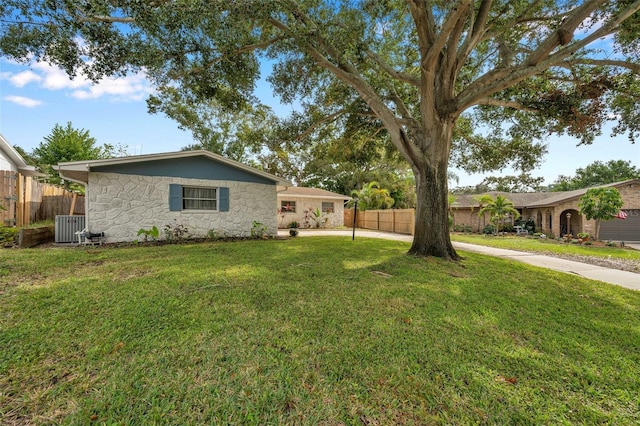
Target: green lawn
(550, 246)
(309, 331)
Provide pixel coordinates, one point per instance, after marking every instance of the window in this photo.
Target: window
(288, 206)
(199, 198)
(327, 207)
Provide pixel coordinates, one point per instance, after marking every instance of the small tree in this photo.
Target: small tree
(499, 209)
(600, 204)
(70, 144)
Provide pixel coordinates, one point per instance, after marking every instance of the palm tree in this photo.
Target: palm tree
(499, 209)
(372, 197)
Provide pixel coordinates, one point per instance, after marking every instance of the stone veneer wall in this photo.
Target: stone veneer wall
(336, 219)
(119, 205)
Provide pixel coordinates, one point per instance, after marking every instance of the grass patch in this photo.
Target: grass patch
(547, 246)
(309, 331)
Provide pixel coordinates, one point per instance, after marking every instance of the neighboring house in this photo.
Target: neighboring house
(298, 204)
(197, 189)
(557, 213)
(14, 172)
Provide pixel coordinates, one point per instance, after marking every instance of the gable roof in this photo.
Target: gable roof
(78, 171)
(300, 191)
(534, 199)
(15, 157)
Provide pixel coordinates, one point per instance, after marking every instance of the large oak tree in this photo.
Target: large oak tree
(421, 68)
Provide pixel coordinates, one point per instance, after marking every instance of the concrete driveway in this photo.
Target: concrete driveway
(611, 276)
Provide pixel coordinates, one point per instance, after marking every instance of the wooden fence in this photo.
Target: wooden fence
(28, 201)
(401, 221)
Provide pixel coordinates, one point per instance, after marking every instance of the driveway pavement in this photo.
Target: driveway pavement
(611, 276)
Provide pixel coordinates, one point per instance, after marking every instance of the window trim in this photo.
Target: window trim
(176, 195)
(184, 198)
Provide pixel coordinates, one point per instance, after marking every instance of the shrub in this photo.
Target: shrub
(175, 232)
(8, 235)
(489, 229)
(508, 228)
(258, 230)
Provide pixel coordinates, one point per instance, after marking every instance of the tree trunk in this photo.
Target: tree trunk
(431, 236)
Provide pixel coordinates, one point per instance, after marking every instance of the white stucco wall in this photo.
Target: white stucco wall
(335, 219)
(119, 205)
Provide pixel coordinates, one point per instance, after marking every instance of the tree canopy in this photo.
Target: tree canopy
(484, 76)
(69, 144)
(597, 173)
(600, 204)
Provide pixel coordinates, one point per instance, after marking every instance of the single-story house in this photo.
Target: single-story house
(14, 171)
(557, 213)
(199, 190)
(302, 205)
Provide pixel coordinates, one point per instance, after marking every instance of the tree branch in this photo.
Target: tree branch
(504, 104)
(450, 25)
(407, 78)
(425, 24)
(601, 62)
(563, 35)
(478, 28)
(327, 119)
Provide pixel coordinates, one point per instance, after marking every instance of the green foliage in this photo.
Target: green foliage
(8, 235)
(315, 218)
(499, 209)
(294, 224)
(259, 230)
(597, 173)
(69, 144)
(372, 197)
(152, 234)
(600, 204)
(462, 228)
(522, 183)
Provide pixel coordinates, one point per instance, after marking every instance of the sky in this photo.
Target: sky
(36, 97)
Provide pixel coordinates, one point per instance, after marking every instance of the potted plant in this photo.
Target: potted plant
(293, 229)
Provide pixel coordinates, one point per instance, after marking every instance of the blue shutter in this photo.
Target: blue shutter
(223, 199)
(175, 197)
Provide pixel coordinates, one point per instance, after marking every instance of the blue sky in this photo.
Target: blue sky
(33, 99)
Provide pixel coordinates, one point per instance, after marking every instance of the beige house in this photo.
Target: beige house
(310, 208)
(557, 213)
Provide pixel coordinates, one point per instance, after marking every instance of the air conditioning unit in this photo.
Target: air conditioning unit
(67, 226)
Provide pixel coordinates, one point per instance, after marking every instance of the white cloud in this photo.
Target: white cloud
(134, 87)
(23, 78)
(22, 101)
(53, 78)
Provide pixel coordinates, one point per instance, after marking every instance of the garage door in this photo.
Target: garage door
(622, 229)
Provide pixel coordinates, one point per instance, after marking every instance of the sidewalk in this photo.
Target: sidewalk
(592, 272)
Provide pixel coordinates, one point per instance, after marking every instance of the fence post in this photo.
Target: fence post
(19, 201)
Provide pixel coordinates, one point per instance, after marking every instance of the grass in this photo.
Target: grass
(546, 246)
(309, 331)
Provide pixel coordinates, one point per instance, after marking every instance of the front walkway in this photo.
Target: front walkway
(592, 272)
